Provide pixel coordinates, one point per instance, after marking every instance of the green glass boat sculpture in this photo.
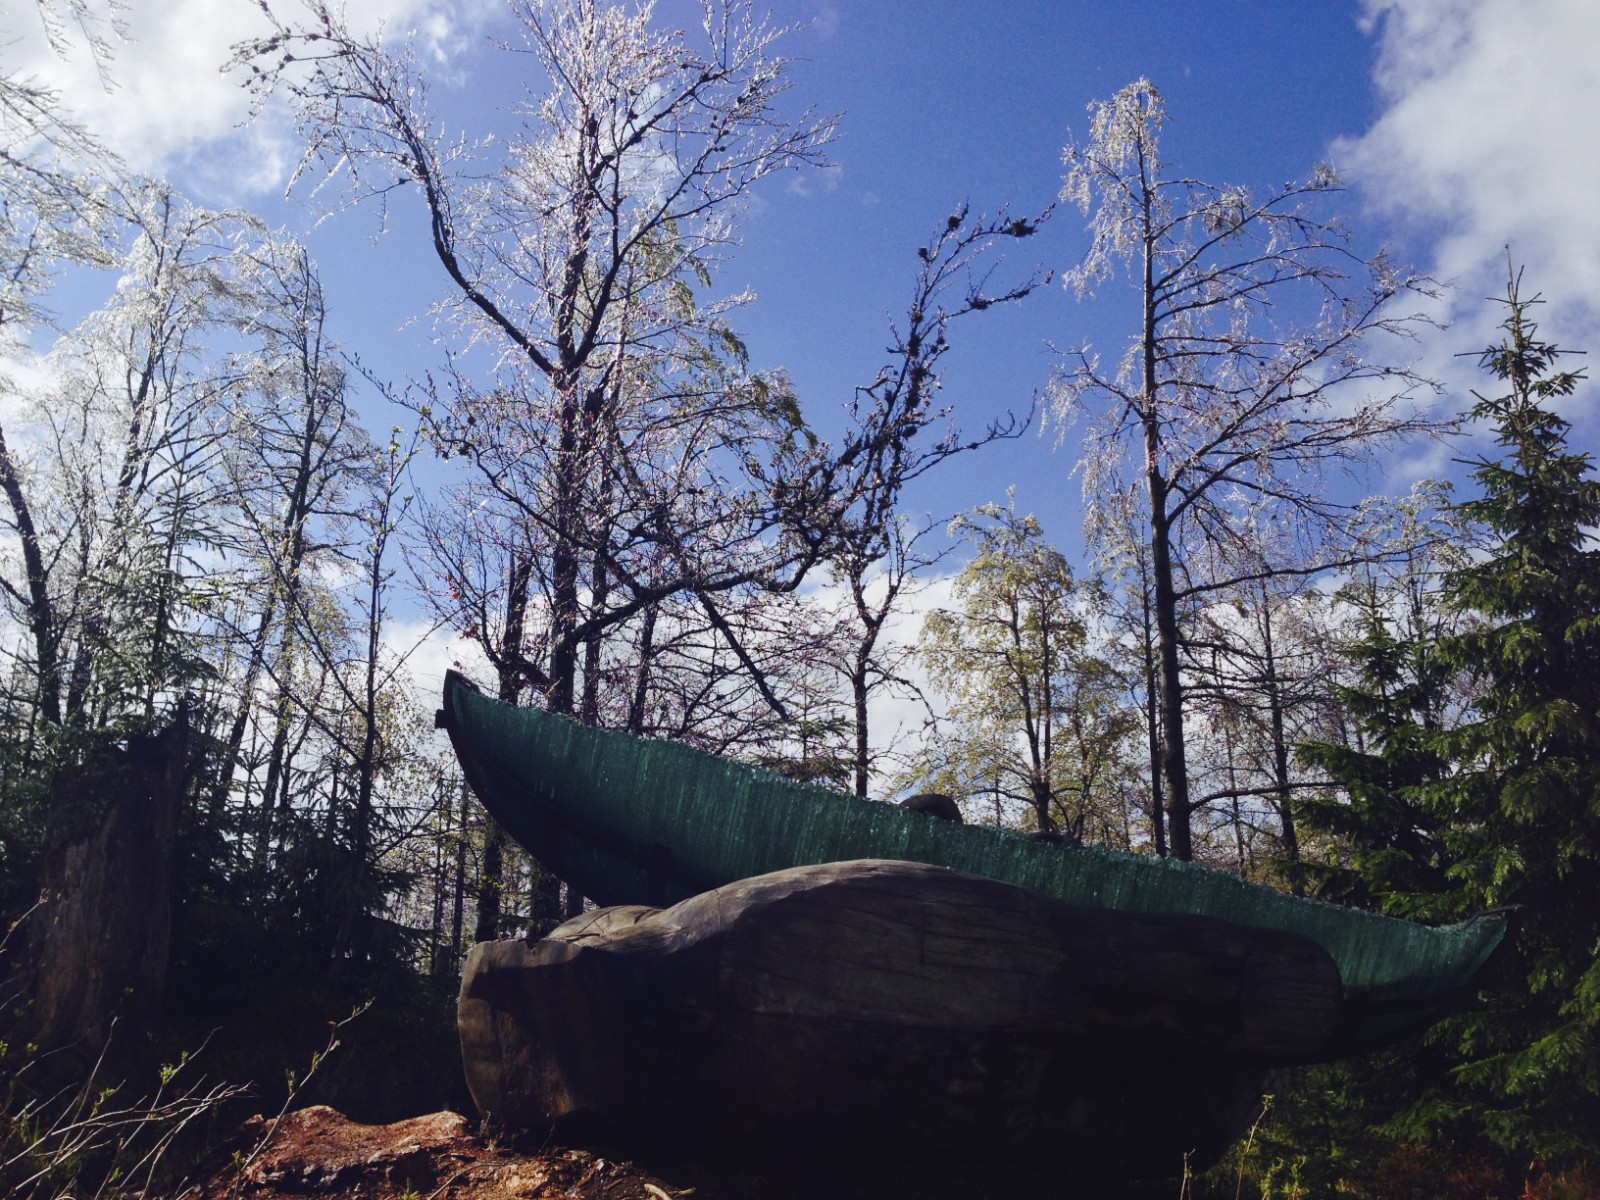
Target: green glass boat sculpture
(629, 820)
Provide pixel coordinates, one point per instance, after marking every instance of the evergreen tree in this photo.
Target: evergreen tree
(1395, 858)
(1444, 814)
(1522, 812)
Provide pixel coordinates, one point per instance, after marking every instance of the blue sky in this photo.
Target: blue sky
(948, 103)
(1460, 125)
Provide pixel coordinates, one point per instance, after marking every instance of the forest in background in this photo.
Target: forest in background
(225, 821)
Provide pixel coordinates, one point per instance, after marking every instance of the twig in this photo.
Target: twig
(295, 1088)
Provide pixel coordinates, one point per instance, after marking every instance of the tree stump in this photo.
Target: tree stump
(897, 1005)
(98, 943)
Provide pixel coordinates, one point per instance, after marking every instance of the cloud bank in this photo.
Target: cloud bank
(164, 101)
(1489, 137)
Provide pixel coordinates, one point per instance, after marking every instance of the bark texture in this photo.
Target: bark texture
(98, 944)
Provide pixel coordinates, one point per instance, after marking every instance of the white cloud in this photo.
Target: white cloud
(449, 32)
(826, 23)
(1488, 137)
(167, 93)
(23, 374)
(430, 652)
(814, 180)
(170, 102)
(896, 721)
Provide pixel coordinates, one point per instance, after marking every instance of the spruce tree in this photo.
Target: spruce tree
(1395, 860)
(1521, 813)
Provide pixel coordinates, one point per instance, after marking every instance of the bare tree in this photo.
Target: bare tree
(295, 455)
(1124, 557)
(625, 448)
(122, 445)
(876, 556)
(1260, 661)
(52, 175)
(572, 248)
(577, 255)
(878, 570)
(52, 212)
(98, 27)
(1246, 380)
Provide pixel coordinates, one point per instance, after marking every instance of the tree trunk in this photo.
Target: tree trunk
(492, 871)
(41, 611)
(459, 901)
(594, 644)
(241, 718)
(491, 881)
(273, 789)
(436, 924)
(99, 945)
(1280, 746)
(350, 940)
(1152, 716)
(858, 694)
(1174, 764)
(641, 682)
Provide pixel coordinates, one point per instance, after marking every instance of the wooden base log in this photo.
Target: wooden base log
(898, 1005)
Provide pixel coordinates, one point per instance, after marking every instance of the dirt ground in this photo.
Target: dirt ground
(317, 1152)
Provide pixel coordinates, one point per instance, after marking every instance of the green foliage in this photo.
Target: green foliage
(1036, 718)
(57, 783)
(1522, 811)
(92, 1138)
(816, 749)
(1498, 808)
(1318, 1140)
(1393, 856)
(261, 951)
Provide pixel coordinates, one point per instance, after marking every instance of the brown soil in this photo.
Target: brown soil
(319, 1153)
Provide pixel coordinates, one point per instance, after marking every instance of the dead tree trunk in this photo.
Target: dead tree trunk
(98, 948)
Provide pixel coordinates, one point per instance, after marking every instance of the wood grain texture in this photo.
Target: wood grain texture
(898, 1000)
